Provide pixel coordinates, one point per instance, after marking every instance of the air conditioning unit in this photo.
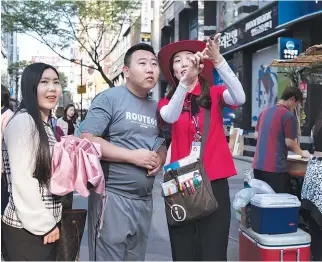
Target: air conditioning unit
(244, 8)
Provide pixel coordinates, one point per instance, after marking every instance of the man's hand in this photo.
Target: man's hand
(155, 171)
(162, 155)
(306, 154)
(52, 237)
(145, 158)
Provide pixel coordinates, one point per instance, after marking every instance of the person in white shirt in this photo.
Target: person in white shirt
(68, 122)
(30, 223)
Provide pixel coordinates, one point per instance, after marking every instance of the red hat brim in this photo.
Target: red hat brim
(167, 52)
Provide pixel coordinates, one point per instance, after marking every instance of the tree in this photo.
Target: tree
(58, 24)
(15, 70)
(63, 80)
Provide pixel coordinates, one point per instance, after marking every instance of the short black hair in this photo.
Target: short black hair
(292, 91)
(5, 96)
(141, 46)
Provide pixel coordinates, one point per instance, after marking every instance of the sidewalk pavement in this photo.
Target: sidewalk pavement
(158, 248)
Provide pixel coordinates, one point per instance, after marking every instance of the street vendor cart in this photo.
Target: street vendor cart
(307, 67)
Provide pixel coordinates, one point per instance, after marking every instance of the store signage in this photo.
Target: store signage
(289, 48)
(228, 39)
(146, 38)
(146, 15)
(255, 26)
(260, 24)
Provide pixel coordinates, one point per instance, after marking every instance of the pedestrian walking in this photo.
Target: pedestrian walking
(6, 114)
(276, 132)
(123, 120)
(30, 224)
(188, 66)
(312, 192)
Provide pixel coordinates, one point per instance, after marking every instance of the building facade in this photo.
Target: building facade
(250, 44)
(252, 33)
(10, 55)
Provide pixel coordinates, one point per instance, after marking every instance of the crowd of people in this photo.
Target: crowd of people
(126, 122)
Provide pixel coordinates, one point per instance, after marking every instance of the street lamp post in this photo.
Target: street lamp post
(81, 83)
(81, 63)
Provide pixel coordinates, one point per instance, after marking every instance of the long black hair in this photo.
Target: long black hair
(29, 82)
(317, 126)
(204, 100)
(5, 96)
(65, 113)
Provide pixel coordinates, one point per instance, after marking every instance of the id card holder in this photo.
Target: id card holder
(195, 149)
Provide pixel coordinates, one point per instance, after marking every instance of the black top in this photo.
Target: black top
(317, 137)
(71, 128)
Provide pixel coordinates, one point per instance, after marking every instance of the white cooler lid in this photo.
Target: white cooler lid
(275, 200)
(290, 239)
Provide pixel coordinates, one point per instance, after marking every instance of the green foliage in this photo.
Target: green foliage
(17, 67)
(63, 80)
(59, 24)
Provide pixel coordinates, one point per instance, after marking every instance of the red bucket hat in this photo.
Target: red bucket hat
(167, 52)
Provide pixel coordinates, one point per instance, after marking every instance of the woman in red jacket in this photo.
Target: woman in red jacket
(188, 67)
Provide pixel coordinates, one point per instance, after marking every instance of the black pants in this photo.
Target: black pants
(4, 193)
(205, 239)
(20, 245)
(279, 182)
(316, 240)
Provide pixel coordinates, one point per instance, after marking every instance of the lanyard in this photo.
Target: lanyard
(197, 135)
(196, 121)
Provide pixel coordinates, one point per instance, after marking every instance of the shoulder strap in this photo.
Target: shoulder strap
(206, 124)
(4, 110)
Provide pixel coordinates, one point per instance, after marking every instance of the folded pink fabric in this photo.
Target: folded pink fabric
(76, 167)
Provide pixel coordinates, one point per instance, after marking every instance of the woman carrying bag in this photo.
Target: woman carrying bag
(30, 223)
(188, 66)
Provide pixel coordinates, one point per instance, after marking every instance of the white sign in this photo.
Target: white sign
(228, 39)
(146, 12)
(290, 54)
(260, 24)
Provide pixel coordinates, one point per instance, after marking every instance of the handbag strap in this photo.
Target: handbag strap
(206, 124)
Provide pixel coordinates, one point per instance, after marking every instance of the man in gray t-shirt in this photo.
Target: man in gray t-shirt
(123, 120)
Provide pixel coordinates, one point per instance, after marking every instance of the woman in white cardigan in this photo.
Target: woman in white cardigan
(68, 122)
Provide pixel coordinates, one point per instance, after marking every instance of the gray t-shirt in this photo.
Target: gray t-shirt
(130, 122)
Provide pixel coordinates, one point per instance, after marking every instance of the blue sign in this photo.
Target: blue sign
(227, 112)
(227, 115)
(289, 48)
(217, 77)
(296, 9)
(11, 91)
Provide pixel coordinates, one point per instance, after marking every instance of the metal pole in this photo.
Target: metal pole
(156, 42)
(17, 86)
(81, 61)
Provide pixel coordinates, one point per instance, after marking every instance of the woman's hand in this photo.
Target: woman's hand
(52, 237)
(194, 68)
(212, 50)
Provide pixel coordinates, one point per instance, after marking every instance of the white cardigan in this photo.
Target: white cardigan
(64, 125)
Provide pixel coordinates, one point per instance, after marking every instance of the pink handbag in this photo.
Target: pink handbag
(76, 167)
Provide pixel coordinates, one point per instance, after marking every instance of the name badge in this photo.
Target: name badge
(195, 149)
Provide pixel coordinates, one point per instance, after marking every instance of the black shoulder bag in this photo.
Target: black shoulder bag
(194, 198)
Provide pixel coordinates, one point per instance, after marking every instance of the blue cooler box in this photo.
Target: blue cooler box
(275, 213)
